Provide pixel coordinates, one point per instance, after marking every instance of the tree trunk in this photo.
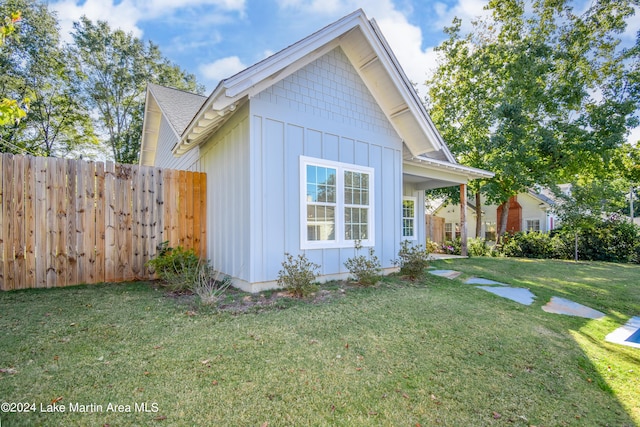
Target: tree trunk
(478, 215)
(502, 221)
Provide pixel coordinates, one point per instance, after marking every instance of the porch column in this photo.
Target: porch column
(463, 219)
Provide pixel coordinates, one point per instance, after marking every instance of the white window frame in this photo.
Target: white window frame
(414, 236)
(340, 241)
(526, 224)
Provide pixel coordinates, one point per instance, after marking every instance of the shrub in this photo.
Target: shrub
(529, 245)
(413, 259)
(477, 247)
(432, 247)
(452, 247)
(210, 284)
(612, 239)
(178, 267)
(297, 275)
(365, 270)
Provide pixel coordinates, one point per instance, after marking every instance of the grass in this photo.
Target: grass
(433, 352)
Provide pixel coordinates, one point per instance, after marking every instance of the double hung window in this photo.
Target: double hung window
(336, 204)
(409, 218)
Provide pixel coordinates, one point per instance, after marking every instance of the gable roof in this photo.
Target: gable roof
(365, 46)
(177, 106)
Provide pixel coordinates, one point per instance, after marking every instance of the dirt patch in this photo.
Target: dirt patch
(237, 301)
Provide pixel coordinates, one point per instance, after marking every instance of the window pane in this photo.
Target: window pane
(356, 188)
(321, 184)
(320, 222)
(356, 223)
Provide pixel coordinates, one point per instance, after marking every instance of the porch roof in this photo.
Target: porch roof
(427, 173)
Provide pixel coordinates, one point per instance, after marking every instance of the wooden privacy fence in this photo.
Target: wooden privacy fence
(65, 222)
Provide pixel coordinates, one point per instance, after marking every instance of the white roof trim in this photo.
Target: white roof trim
(471, 173)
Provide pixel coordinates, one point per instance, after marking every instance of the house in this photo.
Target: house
(319, 145)
(530, 211)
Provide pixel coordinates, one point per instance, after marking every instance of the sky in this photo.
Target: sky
(215, 39)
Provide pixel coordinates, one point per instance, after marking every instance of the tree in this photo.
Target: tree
(117, 67)
(35, 66)
(537, 94)
(10, 110)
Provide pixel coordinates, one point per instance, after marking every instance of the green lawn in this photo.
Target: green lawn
(435, 352)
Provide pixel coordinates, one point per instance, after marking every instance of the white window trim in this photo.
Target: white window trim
(526, 228)
(340, 241)
(415, 219)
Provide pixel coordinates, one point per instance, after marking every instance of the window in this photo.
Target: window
(532, 225)
(337, 204)
(490, 231)
(409, 218)
(451, 231)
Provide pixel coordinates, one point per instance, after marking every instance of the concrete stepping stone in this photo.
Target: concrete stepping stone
(629, 334)
(519, 295)
(481, 281)
(559, 305)
(449, 274)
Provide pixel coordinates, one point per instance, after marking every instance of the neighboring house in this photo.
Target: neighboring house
(529, 211)
(324, 143)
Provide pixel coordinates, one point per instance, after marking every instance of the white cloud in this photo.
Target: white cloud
(634, 136)
(466, 10)
(124, 15)
(127, 14)
(221, 68)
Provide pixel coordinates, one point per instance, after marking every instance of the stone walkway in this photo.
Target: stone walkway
(628, 334)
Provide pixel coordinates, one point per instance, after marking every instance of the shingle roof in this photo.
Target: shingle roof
(178, 106)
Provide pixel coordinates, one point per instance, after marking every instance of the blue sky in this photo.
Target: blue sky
(214, 39)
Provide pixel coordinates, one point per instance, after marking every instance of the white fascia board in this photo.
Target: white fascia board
(469, 172)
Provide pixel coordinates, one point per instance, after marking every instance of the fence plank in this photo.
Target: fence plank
(9, 273)
(203, 214)
(195, 212)
(89, 244)
(52, 235)
(74, 224)
(41, 231)
(3, 204)
(183, 208)
(61, 222)
(188, 213)
(100, 224)
(30, 220)
(18, 222)
(137, 194)
(110, 254)
(145, 216)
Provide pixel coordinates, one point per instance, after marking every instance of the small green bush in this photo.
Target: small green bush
(178, 267)
(413, 259)
(477, 247)
(432, 247)
(452, 247)
(297, 275)
(365, 270)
